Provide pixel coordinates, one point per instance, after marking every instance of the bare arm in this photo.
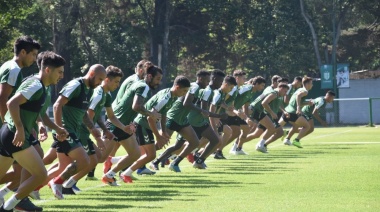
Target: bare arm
(114, 120)
(213, 121)
(57, 109)
(319, 119)
(299, 103)
(5, 92)
(188, 103)
(13, 106)
(266, 106)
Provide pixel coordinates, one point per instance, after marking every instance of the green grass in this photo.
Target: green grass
(323, 176)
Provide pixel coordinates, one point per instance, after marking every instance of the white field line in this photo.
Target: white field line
(209, 160)
(349, 142)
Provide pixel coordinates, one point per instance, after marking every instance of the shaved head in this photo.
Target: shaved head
(96, 75)
(97, 69)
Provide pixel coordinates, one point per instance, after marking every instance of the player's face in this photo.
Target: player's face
(155, 81)
(56, 74)
(181, 91)
(28, 58)
(97, 79)
(204, 81)
(298, 84)
(217, 82)
(282, 91)
(227, 87)
(113, 83)
(240, 80)
(309, 85)
(260, 87)
(329, 98)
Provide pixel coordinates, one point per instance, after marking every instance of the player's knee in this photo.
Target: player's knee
(151, 156)
(135, 155)
(40, 176)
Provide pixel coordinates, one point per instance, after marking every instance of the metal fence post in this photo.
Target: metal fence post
(370, 113)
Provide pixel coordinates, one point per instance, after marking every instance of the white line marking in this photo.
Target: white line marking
(327, 135)
(348, 142)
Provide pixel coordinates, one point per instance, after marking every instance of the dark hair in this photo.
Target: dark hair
(330, 93)
(275, 78)
(230, 80)
(283, 85)
(239, 73)
(298, 78)
(141, 63)
(257, 80)
(306, 80)
(284, 80)
(182, 81)
(113, 72)
(39, 59)
(203, 73)
(152, 70)
(26, 43)
(51, 59)
(218, 72)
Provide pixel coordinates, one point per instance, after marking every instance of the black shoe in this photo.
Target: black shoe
(219, 155)
(68, 191)
(3, 210)
(26, 205)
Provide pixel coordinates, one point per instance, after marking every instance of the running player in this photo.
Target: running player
(70, 112)
(126, 111)
(297, 83)
(294, 108)
(146, 126)
(23, 109)
(310, 111)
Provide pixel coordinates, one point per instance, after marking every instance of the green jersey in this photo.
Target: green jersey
(317, 103)
(196, 118)
(161, 102)
(35, 93)
(123, 110)
(73, 111)
(292, 106)
(276, 103)
(245, 94)
(220, 97)
(123, 88)
(98, 101)
(178, 112)
(256, 105)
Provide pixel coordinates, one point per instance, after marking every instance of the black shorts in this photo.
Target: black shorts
(274, 121)
(6, 146)
(233, 121)
(199, 130)
(308, 117)
(72, 142)
(54, 144)
(292, 117)
(257, 116)
(119, 133)
(88, 146)
(144, 136)
(174, 126)
(33, 141)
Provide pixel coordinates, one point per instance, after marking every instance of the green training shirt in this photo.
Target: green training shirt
(292, 106)
(244, 95)
(317, 103)
(196, 118)
(123, 88)
(257, 103)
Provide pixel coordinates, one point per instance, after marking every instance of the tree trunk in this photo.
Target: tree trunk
(314, 35)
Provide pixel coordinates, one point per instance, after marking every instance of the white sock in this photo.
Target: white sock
(287, 139)
(11, 202)
(196, 149)
(4, 191)
(115, 160)
(110, 174)
(69, 183)
(262, 142)
(128, 172)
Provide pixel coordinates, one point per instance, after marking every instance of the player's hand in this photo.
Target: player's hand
(299, 112)
(100, 143)
(130, 129)
(274, 116)
(61, 134)
(155, 115)
(95, 132)
(43, 133)
(286, 114)
(242, 115)
(19, 137)
(161, 141)
(164, 134)
(109, 134)
(205, 113)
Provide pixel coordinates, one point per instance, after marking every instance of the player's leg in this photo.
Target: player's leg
(301, 122)
(270, 130)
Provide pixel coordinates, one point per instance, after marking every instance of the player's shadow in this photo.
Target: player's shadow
(122, 206)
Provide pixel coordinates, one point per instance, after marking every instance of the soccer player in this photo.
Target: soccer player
(70, 112)
(310, 111)
(244, 97)
(126, 111)
(297, 83)
(146, 126)
(294, 110)
(23, 109)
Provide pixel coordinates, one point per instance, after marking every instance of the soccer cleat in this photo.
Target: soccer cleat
(174, 168)
(126, 179)
(75, 188)
(145, 171)
(35, 195)
(190, 158)
(68, 191)
(107, 165)
(91, 178)
(233, 148)
(154, 166)
(219, 155)
(56, 189)
(240, 152)
(262, 149)
(297, 144)
(109, 181)
(199, 166)
(26, 205)
(287, 142)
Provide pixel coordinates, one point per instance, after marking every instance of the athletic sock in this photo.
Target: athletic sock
(11, 202)
(177, 160)
(156, 162)
(298, 140)
(194, 151)
(69, 183)
(58, 180)
(265, 145)
(200, 160)
(110, 174)
(115, 160)
(127, 172)
(91, 173)
(4, 191)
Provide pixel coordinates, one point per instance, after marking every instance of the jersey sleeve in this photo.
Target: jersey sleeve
(162, 102)
(193, 88)
(231, 93)
(11, 75)
(71, 89)
(108, 100)
(290, 89)
(206, 95)
(30, 89)
(96, 99)
(216, 98)
(320, 103)
(142, 90)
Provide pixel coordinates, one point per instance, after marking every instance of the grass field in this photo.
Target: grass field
(337, 170)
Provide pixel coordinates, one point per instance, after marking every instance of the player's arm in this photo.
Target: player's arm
(13, 106)
(138, 106)
(61, 132)
(5, 92)
(299, 103)
(57, 109)
(213, 120)
(115, 121)
(265, 104)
